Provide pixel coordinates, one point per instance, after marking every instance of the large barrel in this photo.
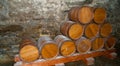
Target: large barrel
(105, 30)
(72, 30)
(98, 43)
(47, 47)
(110, 42)
(66, 46)
(99, 15)
(83, 14)
(28, 50)
(83, 45)
(91, 30)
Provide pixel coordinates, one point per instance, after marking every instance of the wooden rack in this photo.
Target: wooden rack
(61, 59)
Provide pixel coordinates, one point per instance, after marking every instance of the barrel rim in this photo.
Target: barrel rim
(70, 53)
(27, 44)
(29, 40)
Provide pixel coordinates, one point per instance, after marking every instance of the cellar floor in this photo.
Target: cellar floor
(99, 61)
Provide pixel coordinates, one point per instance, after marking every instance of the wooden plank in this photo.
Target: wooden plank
(75, 57)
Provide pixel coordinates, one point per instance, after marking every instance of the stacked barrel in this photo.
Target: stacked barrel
(95, 28)
(86, 30)
(31, 50)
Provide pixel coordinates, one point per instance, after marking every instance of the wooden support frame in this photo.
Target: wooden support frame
(72, 58)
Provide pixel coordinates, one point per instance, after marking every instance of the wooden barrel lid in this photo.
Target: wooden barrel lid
(75, 31)
(29, 53)
(106, 29)
(110, 43)
(83, 46)
(85, 14)
(98, 43)
(91, 30)
(49, 50)
(47, 47)
(67, 48)
(99, 15)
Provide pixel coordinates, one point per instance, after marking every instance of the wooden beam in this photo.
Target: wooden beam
(75, 57)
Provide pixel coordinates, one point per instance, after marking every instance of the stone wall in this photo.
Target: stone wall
(38, 17)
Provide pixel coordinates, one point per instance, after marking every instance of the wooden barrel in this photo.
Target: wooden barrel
(73, 14)
(83, 45)
(91, 30)
(105, 30)
(28, 50)
(72, 30)
(47, 47)
(99, 15)
(110, 43)
(83, 14)
(66, 46)
(98, 43)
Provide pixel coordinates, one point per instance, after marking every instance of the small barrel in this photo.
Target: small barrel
(73, 14)
(98, 43)
(85, 14)
(66, 46)
(83, 45)
(28, 50)
(99, 15)
(47, 47)
(91, 30)
(105, 30)
(72, 30)
(110, 42)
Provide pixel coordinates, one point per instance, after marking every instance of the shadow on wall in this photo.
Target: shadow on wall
(99, 61)
(10, 63)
